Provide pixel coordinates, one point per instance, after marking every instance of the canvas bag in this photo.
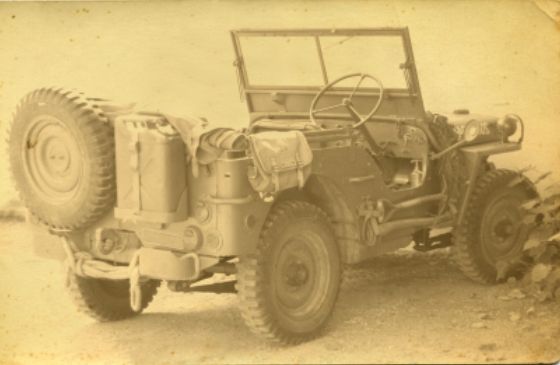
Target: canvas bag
(281, 160)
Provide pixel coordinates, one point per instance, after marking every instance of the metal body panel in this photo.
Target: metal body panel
(358, 176)
(274, 103)
(228, 210)
(476, 156)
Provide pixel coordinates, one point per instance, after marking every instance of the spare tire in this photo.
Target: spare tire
(62, 157)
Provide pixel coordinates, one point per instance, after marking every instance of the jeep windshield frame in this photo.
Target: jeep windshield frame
(292, 101)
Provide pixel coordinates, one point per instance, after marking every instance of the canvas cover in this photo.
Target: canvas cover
(281, 160)
(205, 145)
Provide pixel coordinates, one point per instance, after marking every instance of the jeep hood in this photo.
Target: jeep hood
(489, 130)
(460, 118)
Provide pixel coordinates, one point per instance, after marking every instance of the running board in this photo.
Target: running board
(391, 208)
(390, 227)
(377, 217)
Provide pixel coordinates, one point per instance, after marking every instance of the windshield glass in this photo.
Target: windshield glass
(292, 61)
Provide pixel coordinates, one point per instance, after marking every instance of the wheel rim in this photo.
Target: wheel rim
(52, 159)
(300, 282)
(500, 230)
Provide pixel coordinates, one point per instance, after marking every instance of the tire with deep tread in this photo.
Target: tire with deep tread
(107, 300)
(260, 277)
(470, 237)
(61, 151)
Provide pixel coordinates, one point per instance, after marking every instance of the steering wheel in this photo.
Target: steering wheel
(347, 101)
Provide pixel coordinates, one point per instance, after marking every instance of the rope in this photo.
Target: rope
(135, 287)
(83, 264)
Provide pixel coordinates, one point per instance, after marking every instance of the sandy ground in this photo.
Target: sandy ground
(400, 308)
(491, 57)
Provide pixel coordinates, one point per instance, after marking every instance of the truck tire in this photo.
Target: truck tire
(107, 300)
(288, 288)
(490, 230)
(61, 152)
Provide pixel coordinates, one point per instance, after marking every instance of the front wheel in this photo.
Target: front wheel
(490, 231)
(288, 288)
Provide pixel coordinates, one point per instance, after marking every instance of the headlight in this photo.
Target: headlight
(472, 130)
(509, 124)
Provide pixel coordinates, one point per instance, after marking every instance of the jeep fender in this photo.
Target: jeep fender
(475, 157)
(324, 193)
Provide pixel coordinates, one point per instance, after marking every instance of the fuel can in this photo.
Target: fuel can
(151, 169)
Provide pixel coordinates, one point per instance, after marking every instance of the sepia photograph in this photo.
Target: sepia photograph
(280, 182)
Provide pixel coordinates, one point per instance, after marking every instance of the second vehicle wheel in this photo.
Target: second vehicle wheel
(491, 228)
(107, 300)
(289, 287)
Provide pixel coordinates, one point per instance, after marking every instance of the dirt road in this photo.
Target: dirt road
(404, 307)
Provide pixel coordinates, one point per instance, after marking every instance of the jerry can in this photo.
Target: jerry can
(151, 169)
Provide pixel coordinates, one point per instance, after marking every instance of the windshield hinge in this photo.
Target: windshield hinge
(237, 63)
(406, 65)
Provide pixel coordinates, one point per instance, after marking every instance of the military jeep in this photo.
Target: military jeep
(339, 163)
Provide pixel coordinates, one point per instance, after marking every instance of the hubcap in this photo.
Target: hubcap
(52, 159)
(301, 275)
(297, 274)
(501, 238)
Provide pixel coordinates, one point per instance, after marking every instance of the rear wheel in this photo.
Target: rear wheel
(107, 300)
(491, 228)
(289, 287)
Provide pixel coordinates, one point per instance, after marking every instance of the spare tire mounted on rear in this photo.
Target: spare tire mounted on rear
(61, 152)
